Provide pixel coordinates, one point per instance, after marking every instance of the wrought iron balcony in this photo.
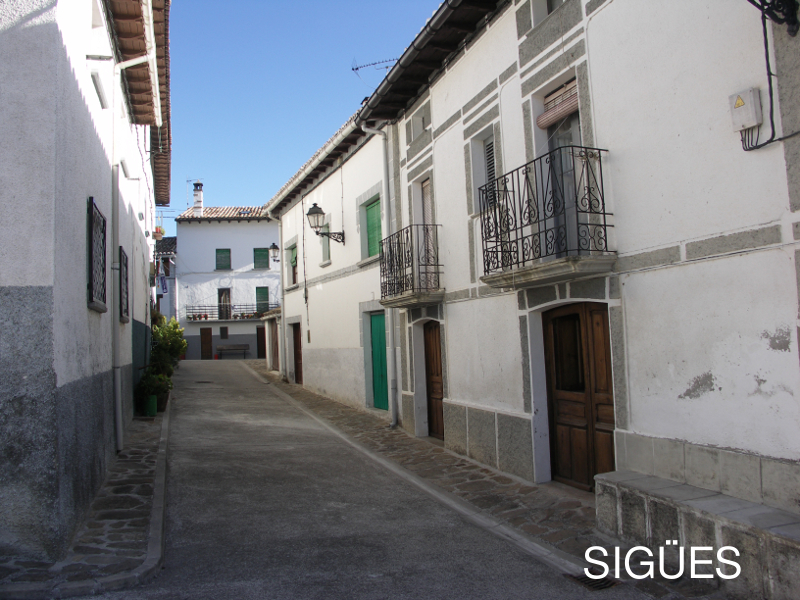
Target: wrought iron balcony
(410, 269)
(551, 208)
(228, 312)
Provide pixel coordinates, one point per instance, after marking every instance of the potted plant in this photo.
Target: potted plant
(205, 317)
(152, 392)
(158, 232)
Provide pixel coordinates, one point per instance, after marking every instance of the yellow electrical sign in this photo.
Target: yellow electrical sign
(739, 102)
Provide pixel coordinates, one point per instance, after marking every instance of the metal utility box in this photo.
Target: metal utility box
(745, 109)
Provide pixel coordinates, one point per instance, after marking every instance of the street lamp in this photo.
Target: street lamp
(316, 218)
(274, 252)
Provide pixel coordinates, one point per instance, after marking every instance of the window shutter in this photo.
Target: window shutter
(262, 299)
(293, 259)
(489, 150)
(374, 228)
(261, 258)
(223, 258)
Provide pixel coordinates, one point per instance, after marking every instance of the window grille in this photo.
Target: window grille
(97, 257)
(124, 314)
(261, 258)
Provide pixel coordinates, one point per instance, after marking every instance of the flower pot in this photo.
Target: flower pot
(216, 357)
(157, 235)
(151, 406)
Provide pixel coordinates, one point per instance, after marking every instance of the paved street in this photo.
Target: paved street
(266, 502)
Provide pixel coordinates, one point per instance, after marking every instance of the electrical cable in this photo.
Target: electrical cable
(747, 135)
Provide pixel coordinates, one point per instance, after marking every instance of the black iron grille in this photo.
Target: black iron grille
(123, 285)
(551, 207)
(410, 261)
(97, 254)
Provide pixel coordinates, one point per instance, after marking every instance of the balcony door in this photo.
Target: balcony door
(562, 184)
(224, 303)
(579, 393)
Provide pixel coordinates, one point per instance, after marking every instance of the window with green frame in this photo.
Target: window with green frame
(293, 265)
(262, 299)
(326, 244)
(223, 259)
(261, 258)
(373, 213)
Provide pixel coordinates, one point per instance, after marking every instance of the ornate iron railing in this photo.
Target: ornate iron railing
(224, 311)
(551, 207)
(410, 261)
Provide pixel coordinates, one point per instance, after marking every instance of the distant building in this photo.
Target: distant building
(226, 279)
(85, 147)
(166, 292)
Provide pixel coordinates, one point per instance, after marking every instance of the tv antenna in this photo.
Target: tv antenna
(377, 65)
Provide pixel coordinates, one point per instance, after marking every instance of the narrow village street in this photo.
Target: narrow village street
(265, 501)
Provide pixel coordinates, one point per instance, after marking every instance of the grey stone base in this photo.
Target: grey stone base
(750, 477)
(649, 510)
(501, 441)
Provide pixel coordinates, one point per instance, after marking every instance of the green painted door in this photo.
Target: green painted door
(380, 389)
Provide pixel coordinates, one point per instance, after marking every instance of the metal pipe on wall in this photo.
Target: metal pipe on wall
(387, 227)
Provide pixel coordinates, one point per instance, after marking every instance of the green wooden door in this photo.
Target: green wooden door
(380, 389)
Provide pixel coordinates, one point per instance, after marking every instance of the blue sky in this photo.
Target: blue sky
(258, 86)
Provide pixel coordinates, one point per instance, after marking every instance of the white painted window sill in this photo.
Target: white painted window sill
(292, 288)
(325, 263)
(368, 261)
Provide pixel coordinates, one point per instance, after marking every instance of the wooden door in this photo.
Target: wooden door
(380, 388)
(298, 353)
(579, 393)
(273, 341)
(433, 379)
(261, 342)
(206, 352)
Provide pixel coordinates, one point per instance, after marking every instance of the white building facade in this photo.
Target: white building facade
(588, 269)
(79, 193)
(226, 280)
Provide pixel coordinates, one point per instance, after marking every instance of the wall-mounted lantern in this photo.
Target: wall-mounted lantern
(274, 252)
(316, 218)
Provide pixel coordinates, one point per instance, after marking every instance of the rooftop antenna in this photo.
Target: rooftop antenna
(378, 65)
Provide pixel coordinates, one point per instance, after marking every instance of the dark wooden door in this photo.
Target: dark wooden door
(273, 342)
(206, 352)
(298, 353)
(579, 393)
(261, 342)
(433, 379)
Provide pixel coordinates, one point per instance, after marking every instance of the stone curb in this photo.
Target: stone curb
(553, 557)
(141, 574)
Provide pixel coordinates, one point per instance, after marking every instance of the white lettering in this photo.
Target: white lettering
(661, 563)
(696, 561)
(600, 563)
(728, 562)
(649, 572)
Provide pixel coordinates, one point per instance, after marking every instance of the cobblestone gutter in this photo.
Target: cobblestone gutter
(121, 542)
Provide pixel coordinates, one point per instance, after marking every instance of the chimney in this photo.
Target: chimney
(198, 199)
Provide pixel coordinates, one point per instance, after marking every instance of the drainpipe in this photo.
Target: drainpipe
(150, 59)
(282, 346)
(387, 227)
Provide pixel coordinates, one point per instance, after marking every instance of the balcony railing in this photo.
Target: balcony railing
(410, 261)
(228, 312)
(551, 207)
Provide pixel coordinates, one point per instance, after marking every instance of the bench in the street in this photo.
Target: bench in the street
(233, 349)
